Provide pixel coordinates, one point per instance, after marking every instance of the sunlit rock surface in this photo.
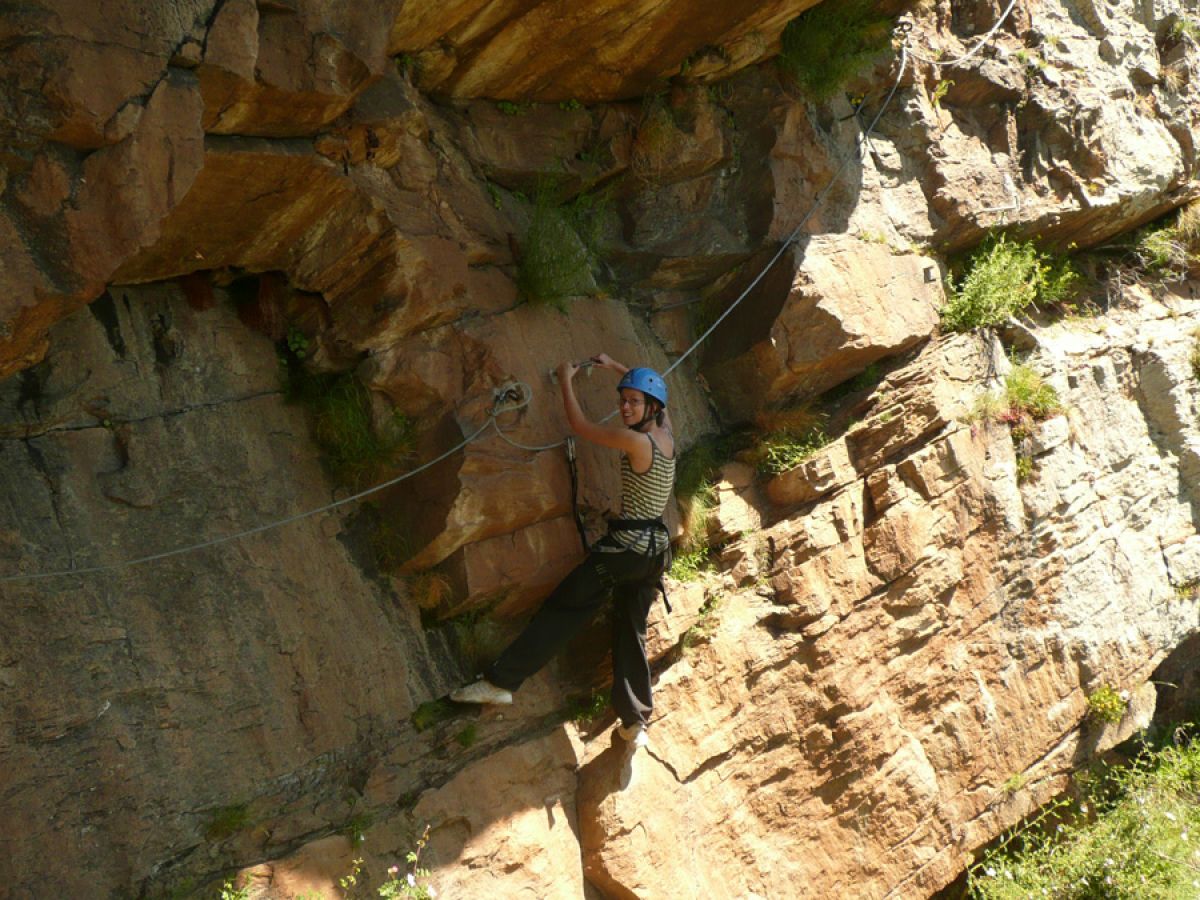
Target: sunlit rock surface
(897, 631)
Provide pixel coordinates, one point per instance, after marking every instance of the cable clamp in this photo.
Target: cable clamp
(510, 397)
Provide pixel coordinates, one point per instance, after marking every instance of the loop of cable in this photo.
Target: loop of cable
(949, 63)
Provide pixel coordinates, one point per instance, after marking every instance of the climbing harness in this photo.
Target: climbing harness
(516, 395)
(656, 525)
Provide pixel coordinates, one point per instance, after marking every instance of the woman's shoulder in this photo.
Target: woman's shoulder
(664, 441)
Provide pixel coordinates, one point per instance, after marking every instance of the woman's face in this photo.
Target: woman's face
(633, 405)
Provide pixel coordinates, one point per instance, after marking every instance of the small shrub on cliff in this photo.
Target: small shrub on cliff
(226, 821)
(354, 446)
(658, 142)
(1170, 247)
(1106, 705)
(1003, 278)
(1131, 835)
(787, 438)
(1024, 399)
(558, 257)
(824, 46)
(690, 565)
(584, 710)
(695, 483)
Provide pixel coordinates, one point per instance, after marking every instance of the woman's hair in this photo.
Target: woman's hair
(655, 410)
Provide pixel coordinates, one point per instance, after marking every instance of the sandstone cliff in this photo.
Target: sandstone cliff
(899, 629)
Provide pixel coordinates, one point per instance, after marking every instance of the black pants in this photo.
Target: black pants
(632, 578)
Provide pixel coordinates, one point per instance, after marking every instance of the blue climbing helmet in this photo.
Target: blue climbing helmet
(648, 382)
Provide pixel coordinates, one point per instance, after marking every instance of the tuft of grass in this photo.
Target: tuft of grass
(705, 626)
(1186, 27)
(1026, 394)
(1024, 399)
(781, 451)
(353, 446)
(431, 713)
(695, 483)
(1004, 277)
(940, 90)
(467, 737)
(787, 438)
(583, 710)
(1132, 834)
(559, 254)
(1188, 590)
(1170, 247)
(1106, 705)
(690, 565)
(827, 44)
(657, 142)
(356, 828)
(226, 821)
(1015, 782)
(1025, 468)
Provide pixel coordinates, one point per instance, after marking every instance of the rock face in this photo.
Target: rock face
(898, 631)
(476, 48)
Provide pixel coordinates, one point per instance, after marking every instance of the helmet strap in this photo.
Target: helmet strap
(653, 411)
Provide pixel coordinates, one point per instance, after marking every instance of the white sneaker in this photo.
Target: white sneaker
(635, 735)
(482, 691)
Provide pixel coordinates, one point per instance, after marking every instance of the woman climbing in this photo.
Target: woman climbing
(628, 562)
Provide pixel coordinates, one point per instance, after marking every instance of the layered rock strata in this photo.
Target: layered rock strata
(906, 629)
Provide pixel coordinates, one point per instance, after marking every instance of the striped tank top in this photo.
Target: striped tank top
(644, 495)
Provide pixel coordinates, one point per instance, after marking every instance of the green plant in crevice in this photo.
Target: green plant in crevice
(467, 737)
(690, 564)
(782, 451)
(226, 821)
(1025, 468)
(1130, 835)
(787, 438)
(1024, 400)
(297, 342)
(1170, 246)
(356, 828)
(1106, 705)
(583, 710)
(432, 712)
(828, 43)
(658, 141)
(512, 108)
(695, 493)
(1004, 277)
(559, 253)
(1027, 397)
(1188, 590)
(354, 447)
(705, 625)
(1185, 27)
(939, 91)
(1015, 782)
